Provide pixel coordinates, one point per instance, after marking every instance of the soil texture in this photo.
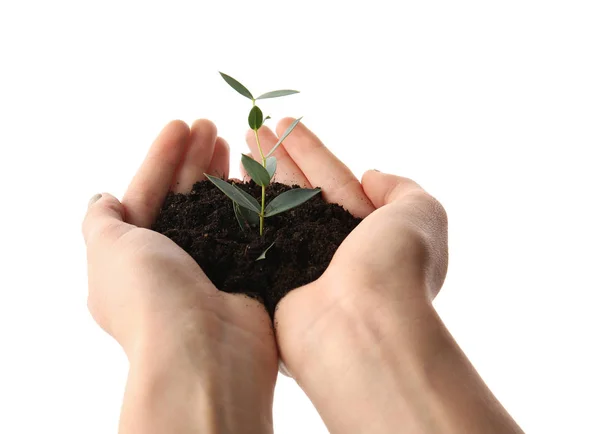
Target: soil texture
(305, 238)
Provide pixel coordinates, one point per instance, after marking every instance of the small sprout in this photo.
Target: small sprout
(248, 211)
(263, 255)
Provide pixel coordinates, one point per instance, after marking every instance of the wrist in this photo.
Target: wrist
(198, 376)
(164, 393)
(350, 319)
(362, 350)
(393, 364)
(375, 332)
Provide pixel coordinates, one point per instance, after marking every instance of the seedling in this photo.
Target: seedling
(248, 211)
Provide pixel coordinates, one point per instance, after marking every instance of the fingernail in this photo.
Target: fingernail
(375, 170)
(95, 198)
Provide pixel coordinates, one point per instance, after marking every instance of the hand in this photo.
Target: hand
(363, 340)
(154, 299)
(396, 257)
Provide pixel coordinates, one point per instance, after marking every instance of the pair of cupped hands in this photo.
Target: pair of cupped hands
(152, 297)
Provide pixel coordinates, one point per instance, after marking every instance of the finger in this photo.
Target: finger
(323, 169)
(199, 154)
(219, 165)
(287, 171)
(104, 219)
(383, 188)
(150, 185)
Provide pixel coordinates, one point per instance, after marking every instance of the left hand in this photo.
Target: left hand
(153, 298)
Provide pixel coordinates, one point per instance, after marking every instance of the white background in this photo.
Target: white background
(494, 107)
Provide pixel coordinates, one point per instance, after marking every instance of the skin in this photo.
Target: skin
(363, 341)
(201, 361)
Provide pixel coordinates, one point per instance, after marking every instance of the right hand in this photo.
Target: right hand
(391, 266)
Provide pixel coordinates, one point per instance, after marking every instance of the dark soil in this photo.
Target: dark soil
(204, 225)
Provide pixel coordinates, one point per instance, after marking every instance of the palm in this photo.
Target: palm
(378, 233)
(178, 158)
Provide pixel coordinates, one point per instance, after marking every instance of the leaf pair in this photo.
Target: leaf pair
(285, 201)
(240, 88)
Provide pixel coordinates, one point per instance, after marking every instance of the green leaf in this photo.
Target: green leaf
(287, 133)
(239, 217)
(251, 217)
(263, 255)
(237, 86)
(258, 173)
(265, 119)
(245, 217)
(290, 199)
(236, 194)
(271, 166)
(255, 118)
(277, 93)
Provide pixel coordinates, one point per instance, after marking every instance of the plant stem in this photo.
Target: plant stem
(262, 156)
(264, 163)
(262, 211)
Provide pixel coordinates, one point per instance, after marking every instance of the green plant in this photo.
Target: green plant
(248, 211)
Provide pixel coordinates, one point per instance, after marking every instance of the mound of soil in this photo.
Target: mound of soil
(305, 238)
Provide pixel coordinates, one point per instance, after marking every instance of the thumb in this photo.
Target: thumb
(104, 219)
(383, 188)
